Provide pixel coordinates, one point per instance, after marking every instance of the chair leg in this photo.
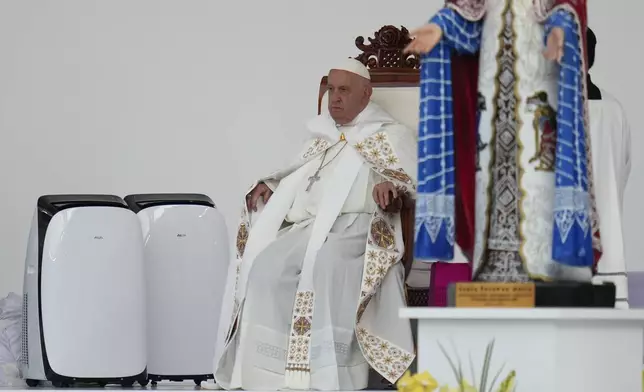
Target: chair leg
(378, 383)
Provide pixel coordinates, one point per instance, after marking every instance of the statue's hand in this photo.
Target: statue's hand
(555, 45)
(424, 39)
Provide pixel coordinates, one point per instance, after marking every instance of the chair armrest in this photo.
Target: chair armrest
(408, 217)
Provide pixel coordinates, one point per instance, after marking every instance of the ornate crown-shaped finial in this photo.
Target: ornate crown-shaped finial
(385, 49)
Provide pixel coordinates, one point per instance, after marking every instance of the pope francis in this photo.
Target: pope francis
(318, 275)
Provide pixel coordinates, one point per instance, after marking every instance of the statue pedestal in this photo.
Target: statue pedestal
(567, 350)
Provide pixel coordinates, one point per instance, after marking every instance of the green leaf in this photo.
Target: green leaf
(461, 379)
(496, 378)
(451, 363)
(486, 365)
(474, 382)
(508, 382)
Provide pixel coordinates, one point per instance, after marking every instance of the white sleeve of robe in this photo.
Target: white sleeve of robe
(611, 149)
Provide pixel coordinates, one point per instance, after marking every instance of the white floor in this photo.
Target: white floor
(162, 386)
(165, 388)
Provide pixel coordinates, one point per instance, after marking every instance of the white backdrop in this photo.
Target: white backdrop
(123, 96)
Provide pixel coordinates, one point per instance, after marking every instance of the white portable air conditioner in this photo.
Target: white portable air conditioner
(84, 294)
(186, 266)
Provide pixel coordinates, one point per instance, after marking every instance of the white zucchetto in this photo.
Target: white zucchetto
(354, 66)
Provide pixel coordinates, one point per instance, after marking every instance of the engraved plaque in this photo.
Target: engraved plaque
(494, 295)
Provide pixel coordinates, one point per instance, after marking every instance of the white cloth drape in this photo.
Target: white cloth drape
(611, 148)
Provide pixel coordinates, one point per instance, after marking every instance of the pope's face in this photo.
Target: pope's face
(348, 95)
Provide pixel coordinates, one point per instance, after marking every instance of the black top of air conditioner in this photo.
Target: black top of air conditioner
(142, 201)
(51, 204)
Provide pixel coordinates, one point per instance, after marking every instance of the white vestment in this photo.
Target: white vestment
(319, 282)
(611, 146)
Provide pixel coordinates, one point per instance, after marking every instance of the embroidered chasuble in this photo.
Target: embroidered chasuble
(611, 137)
(318, 275)
(505, 166)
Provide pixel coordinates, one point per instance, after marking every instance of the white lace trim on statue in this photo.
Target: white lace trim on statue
(572, 205)
(435, 211)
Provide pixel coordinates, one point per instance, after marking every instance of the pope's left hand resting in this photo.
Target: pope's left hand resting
(387, 197)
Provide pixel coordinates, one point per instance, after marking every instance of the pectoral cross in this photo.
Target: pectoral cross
(312, 180)
(316, 176)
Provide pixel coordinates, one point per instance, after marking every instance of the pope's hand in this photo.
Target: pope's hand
(555, 45)
(425, 39)
(261, 190)
(386, 195)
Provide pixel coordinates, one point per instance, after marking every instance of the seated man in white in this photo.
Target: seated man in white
(611, 149)
(319, 279)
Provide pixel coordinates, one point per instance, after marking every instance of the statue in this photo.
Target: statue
(505, 166)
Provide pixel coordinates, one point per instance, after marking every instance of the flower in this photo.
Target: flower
(427, 381)
(508, 384)
(423, 382)
(466, 387)
(407, 383)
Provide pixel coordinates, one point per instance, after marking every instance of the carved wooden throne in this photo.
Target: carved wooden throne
(395, 79)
